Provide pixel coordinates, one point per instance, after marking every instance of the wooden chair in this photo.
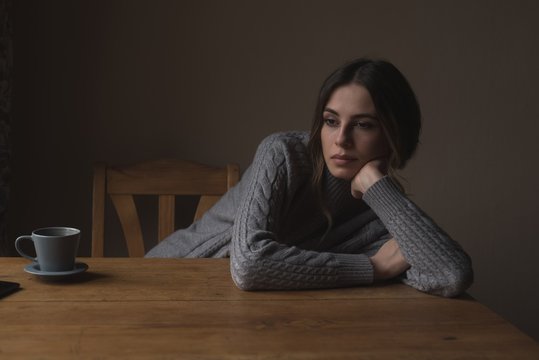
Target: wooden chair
(164, 178)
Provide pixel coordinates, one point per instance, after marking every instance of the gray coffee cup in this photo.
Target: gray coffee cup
(56, 247)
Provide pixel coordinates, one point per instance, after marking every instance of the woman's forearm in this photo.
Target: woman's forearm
(438, 264)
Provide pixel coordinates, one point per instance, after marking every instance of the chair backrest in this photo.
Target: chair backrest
(164, 178)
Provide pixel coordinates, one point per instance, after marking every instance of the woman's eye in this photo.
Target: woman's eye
(330, 122)
(364, 125)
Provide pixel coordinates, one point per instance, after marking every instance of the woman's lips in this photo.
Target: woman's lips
(343, 159)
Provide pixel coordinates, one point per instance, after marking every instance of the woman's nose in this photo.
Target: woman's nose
(344, 138)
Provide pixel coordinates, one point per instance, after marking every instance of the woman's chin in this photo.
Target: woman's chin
(343, 173)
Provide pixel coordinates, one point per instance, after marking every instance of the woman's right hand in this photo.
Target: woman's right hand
(389, 262)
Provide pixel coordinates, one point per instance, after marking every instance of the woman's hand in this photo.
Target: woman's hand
(389, 262)
(370, 173)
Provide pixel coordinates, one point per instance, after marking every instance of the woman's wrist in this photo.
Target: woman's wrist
(372, 178)
(366, 178)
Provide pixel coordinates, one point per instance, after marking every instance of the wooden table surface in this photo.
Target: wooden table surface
(189, 308)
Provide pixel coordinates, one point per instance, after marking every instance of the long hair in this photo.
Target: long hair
(396, 106)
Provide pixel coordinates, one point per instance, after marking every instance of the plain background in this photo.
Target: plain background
(122, 81)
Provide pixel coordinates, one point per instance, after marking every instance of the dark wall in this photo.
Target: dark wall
(128, 80)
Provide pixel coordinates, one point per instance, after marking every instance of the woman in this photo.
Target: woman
(325, 210)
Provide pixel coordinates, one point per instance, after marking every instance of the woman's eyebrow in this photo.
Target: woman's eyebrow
(331, 111)
(356, 116)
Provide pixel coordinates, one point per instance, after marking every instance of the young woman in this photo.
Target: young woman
(324, 209)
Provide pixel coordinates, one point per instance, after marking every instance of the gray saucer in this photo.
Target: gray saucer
(33, 268)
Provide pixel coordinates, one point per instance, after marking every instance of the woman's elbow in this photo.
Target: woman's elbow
(450, 283)
(243, 275)
(464, 280)
(242, 282)
(456, 283)
(462, 277)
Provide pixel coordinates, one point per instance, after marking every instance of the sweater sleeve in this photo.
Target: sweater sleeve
(438, 264)
(258, 259)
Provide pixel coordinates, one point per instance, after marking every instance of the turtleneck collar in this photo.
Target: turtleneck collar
(338, 196)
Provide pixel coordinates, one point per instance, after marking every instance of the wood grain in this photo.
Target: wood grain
(189, 308)
(167, 176)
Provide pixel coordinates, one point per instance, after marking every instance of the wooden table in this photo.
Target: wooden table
(164, 309)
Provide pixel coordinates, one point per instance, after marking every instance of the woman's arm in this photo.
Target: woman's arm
(437, 264)
(258, 259)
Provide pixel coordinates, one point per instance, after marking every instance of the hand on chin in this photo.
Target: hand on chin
(369, 173)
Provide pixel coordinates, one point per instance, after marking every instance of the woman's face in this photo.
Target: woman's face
(351, 134)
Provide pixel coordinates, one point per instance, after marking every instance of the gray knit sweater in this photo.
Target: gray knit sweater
(272, 227)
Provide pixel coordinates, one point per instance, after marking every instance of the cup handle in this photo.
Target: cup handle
(19, 250)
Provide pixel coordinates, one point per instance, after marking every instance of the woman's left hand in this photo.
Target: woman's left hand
(370, 173)
(389, 262)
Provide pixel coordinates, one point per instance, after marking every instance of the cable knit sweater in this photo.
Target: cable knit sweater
(274, 230)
